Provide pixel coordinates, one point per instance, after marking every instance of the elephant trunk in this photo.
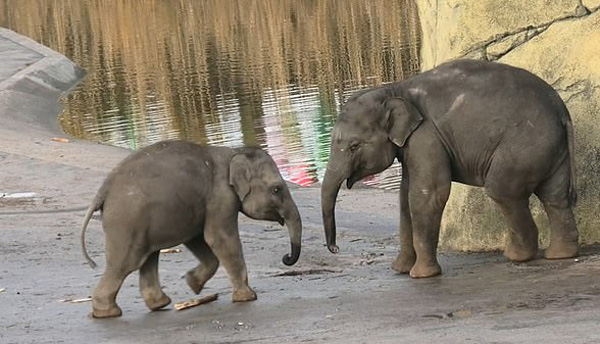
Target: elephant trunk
(329, 191)
(294, 225)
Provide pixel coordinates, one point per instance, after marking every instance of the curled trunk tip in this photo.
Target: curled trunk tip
(333, 248)
(291, 259)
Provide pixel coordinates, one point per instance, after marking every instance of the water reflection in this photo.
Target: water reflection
(269, 73)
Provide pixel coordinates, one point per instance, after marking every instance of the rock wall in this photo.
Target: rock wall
(559, 41)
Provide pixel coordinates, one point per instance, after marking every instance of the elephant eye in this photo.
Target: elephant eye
(354, 146)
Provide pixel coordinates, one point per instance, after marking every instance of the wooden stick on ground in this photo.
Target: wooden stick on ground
(170, 250)
(86, 299)
(195, 302)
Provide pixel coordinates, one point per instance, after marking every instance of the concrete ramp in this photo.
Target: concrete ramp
(32, 80)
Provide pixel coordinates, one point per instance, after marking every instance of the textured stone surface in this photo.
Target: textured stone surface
(14, 58)
(454, 28)
(558, 41)
(500, 48)
(591, 4)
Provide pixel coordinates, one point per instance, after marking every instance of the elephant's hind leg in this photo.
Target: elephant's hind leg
(104, 299)
(564, 237)
(523, 233)
(197, 277)
(150, 288)
(121, 260)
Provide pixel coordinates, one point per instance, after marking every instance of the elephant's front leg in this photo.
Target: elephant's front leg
(407, 256)
(428, 191)
(150, 288)
(426, 213)
(427, 206)
(221, 234)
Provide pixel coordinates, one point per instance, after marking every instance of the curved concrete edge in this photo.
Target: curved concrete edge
(53, 74)
(32, 87)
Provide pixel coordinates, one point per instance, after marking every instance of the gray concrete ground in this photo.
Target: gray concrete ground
(351, 297)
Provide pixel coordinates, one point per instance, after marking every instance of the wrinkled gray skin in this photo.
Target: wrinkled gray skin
(479, 123)
(176, 192)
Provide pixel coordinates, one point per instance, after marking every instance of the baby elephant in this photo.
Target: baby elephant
(176, 192)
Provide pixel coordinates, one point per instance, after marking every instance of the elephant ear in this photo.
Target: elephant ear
(239, 175)
(403, 118)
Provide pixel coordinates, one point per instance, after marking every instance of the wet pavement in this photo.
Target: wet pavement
(351, 297)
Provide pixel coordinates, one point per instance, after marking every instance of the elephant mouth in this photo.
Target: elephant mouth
(275, 216)
(351, 180)
(358, 175)
(281, 220)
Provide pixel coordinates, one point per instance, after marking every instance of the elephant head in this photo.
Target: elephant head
(370, 129)
(264, 195)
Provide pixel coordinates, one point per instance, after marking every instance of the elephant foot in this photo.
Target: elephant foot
(520, 254)
(562, 250)
(425, 270)
(244, 295)
(158, 303)
(403, 263)
(193, 282)
(107, 313)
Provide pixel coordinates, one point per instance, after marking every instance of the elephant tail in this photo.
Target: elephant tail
(96, 205)
(572, 181)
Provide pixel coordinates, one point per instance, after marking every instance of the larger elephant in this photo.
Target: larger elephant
(479, 123)
(176, 192)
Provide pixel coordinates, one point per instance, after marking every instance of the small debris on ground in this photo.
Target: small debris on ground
(87, 299)
(461, 313)
(241, 326)
(217, 324)
(436, 316)
(272, 228)
(60, 139)
(195, 302)
(369, 258)
(18, 195)
(304, 272)
(2, 290)
(170, 250)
